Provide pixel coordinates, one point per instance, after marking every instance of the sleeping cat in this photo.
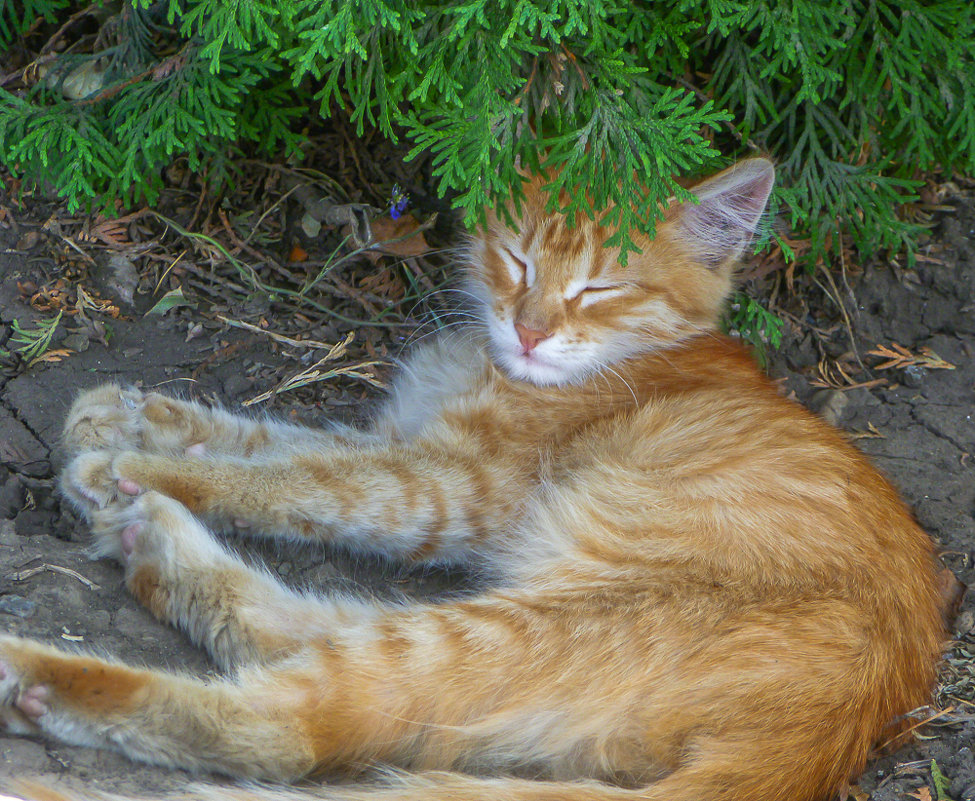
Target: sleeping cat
(700, 590)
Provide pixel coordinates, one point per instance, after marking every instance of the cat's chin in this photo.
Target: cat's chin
(536, 371)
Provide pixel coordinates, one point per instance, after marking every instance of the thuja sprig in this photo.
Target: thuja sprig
(31, 343)
(851, 97)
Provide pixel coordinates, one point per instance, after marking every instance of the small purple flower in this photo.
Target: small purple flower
(398, 201)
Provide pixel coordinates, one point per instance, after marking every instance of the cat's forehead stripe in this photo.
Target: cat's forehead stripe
(567, 243)
(527, 234)
(598, 260)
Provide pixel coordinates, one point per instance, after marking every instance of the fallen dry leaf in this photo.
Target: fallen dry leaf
(403, 237)
(385, 283)
(870, 433)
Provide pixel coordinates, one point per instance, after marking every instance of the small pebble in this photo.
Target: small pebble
(913, 376)
(829, 404)
(965, 622)
(15, 605)
(123, 279)
(77, 342)
(235, 385)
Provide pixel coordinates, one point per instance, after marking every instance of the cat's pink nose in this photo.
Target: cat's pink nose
(529, 337)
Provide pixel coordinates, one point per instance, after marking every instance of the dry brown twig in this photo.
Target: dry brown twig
(831, 375)
(298, 343)
(935, 716)
(23, 575)
(313, 374)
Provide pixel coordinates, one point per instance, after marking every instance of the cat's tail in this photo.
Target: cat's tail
(433, 786)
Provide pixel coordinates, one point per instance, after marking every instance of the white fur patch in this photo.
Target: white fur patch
(590, 292)
(520, 267)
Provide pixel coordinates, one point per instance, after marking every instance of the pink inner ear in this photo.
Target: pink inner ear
(730, 206)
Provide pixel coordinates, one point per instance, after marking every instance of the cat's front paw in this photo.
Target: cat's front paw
(93, 480)
(111, 418)
(154, 538)
(129, 532)
(90, 482)
(105, 418)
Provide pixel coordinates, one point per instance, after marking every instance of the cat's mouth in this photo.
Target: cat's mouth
(532, 358)
(540, 368)
(535, 368)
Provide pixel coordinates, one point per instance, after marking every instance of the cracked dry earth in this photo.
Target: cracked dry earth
(918, 428)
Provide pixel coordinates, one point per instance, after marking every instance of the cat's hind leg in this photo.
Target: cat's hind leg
(246, 727)
(175, 568)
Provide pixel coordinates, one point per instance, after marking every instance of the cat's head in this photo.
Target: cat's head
(557, 304)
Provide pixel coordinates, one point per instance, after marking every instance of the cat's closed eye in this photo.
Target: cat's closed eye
(587, 294)
(520, 268)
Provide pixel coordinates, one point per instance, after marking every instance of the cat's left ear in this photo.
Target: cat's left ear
(730, 204)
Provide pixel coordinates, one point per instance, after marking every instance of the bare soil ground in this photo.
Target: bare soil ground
(913, 418)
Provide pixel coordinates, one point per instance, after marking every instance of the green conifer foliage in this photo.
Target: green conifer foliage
(852, 98)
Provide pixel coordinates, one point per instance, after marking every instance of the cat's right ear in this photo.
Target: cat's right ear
(730, 204)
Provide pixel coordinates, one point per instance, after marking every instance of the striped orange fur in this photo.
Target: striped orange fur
(700, 590)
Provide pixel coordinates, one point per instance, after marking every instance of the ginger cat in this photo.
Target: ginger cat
(701, 591)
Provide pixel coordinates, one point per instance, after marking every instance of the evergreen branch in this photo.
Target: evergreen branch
(611, 99)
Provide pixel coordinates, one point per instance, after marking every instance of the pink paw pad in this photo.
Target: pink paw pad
(31, 701)
(129, 487)
(129, 536)
(196, 450)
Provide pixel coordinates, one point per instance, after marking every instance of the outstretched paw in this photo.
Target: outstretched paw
(149, 529)
(111, 418)
(69, 697)
(116, 529)
(90, 482)
(105, 418)
(93, 480)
